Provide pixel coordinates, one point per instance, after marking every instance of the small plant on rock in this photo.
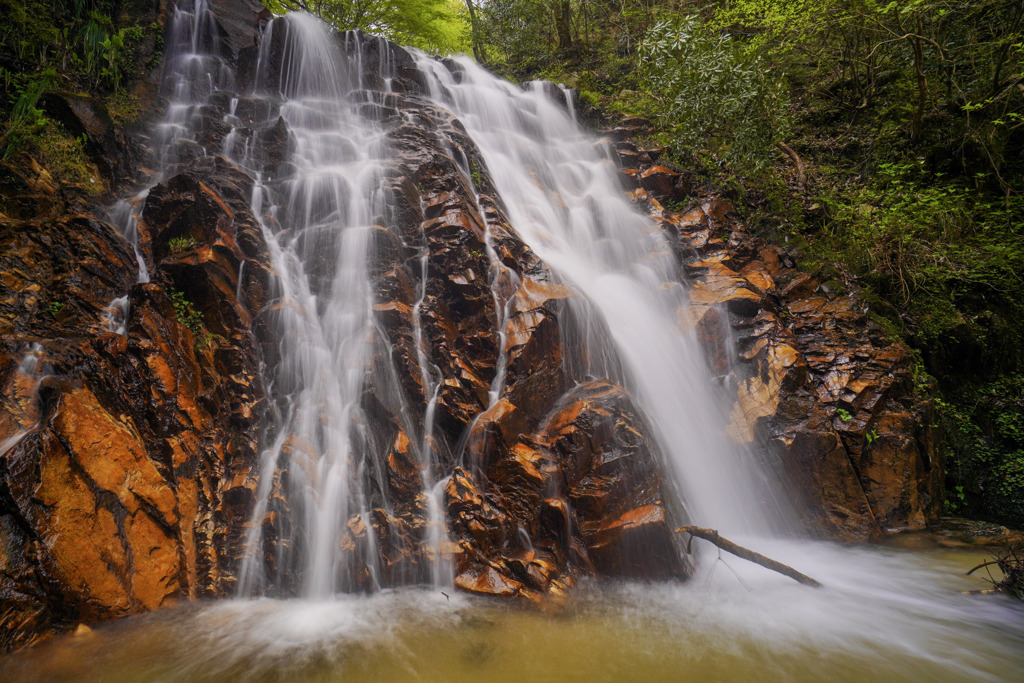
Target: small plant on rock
(186, 312)
(181, 243)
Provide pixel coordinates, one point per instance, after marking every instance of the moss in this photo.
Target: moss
(65, 157)
(125, 107)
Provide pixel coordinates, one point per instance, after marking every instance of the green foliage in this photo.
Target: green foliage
(719, 96)
(844, 414)
(55, 307)
(435, 25)
(940, 72)
(475, 175)
(985, 465)
(68, 44)
(187, 313)
(24, 120)
(180, 244)
(930, 251)
(520, 32)
(955, 502)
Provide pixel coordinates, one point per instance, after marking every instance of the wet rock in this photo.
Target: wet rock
(660, 181)
(116, 153)
(240, 22)
(584, 494)
(815, 379)
(125, 477)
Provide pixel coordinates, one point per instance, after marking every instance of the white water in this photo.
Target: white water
(193, 71)
(326, 211)
(906, 624)
(32, 369)
(563, 197)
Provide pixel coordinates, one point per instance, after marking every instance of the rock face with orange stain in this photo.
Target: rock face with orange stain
(545, 476)
(129, 430)
(126, 455)
(818, 383)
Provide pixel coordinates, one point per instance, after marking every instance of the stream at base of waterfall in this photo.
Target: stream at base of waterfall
(883, 615)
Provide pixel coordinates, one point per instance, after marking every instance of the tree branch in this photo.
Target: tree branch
(728, 546)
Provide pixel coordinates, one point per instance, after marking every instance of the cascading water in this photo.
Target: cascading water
(30, 373)
(325, 211)
(563, 197)
(193, 71)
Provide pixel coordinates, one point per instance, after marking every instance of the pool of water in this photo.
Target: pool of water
(884, 614)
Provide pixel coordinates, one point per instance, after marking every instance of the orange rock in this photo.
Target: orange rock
(487, 581)
(111, 455)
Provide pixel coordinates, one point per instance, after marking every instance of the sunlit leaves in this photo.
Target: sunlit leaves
(435, 25)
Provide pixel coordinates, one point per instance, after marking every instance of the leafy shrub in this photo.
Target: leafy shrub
(719, 96)
(985, 443)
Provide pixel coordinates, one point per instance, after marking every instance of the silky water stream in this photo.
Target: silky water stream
(883, 613)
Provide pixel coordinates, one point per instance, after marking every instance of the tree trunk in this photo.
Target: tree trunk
(749, 555)
(479, 52)
(563, 25)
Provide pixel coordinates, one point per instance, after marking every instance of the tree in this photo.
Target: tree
(717, 94)
(434, 25)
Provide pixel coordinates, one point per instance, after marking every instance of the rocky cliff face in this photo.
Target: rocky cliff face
(554, 480)
(821, 390)
(128, 449)
(124, 473)
(127, 441)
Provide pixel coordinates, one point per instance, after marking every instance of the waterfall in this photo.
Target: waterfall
(321, 162)
(562, 192)
(194, 70)
(325, 211)
(415, 229)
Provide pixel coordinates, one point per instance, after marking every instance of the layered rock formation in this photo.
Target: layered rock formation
(126, 456)
(820, 388)
(129, 412)
(550, 480)
(128, 449)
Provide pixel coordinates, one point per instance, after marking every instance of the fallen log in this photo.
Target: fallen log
(711, 535)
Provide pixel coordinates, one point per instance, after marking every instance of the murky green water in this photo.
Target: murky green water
(884, 615)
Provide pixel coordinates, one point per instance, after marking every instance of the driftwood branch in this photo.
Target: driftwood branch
(801, 169)
(739, 551)
(1011, 564)
(987, 563)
